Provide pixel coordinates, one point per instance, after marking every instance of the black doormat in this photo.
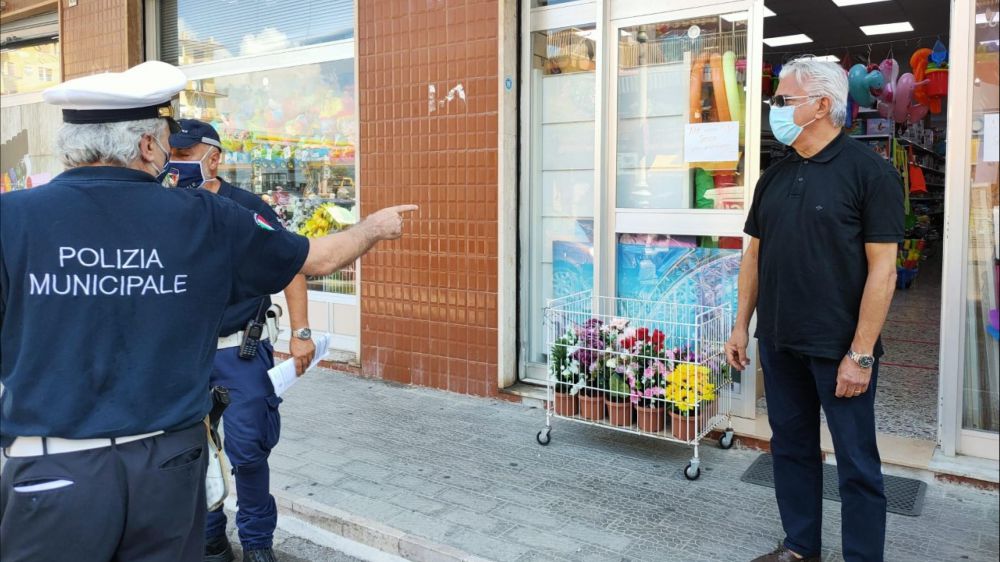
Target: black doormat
(904, 496)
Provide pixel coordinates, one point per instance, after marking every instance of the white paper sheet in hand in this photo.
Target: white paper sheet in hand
(283, 374)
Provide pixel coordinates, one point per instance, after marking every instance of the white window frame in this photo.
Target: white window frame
(602, 14)
(585, 12)
(952, 437)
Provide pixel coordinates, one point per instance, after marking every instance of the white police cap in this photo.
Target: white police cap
(141, 92)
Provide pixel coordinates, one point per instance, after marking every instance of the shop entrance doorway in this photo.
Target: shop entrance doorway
(910, 130)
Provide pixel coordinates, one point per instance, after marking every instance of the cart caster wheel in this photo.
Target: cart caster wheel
(692, 474)
(543, 437)
(726, 441)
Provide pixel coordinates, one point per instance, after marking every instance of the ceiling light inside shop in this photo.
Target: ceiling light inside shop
(842, 3)
(884, 28)
(981, 18)
(828, 58)
(787, 40)
(744, 16)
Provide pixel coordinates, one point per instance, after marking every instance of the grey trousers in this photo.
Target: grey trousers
(140, 501)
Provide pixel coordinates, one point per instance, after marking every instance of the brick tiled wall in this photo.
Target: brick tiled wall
(429, 301)
(100, 36)
(28, 7)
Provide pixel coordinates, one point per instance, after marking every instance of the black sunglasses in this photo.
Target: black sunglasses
(782, 101)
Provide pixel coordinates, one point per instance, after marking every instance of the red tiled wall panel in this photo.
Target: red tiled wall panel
(429, 301)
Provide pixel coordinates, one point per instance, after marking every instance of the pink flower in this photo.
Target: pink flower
(648, 393)
(635, 398)
(657, 391)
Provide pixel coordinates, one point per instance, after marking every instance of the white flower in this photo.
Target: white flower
(612, 363)
(574, 367)
(619, 324)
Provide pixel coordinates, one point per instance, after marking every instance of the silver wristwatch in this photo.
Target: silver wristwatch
(302, 333)
(865, 361)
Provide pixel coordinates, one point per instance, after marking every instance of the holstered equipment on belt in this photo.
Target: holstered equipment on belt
(217, 476)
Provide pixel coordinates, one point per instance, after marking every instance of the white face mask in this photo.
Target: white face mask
(161, 173)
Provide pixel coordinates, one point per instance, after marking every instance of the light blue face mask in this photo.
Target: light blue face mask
(783, 124)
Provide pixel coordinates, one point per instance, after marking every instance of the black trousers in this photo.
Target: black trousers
(796, 387)
(140, 501)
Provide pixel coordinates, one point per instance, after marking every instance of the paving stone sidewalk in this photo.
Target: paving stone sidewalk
(466, 472)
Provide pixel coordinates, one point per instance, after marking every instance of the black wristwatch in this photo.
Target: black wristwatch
(302, 333)
(865, 361)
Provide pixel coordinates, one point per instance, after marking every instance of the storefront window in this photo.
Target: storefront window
(681, 115)
(982, 358)
(194, 31)
(561, 209)
(29, 68)
(290, 135)
(686, 270)
(27, 150)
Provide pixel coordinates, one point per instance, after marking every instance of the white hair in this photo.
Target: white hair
(821, 78)
(112, 143)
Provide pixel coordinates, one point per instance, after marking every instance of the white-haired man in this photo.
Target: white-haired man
(820, 271)
(112, 290)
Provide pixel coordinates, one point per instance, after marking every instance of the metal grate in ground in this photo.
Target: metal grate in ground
(904, 496)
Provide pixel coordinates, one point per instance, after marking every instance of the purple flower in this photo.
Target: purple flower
(593, 323)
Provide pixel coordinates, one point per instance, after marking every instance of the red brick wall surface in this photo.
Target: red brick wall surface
(429, 301)
(100, 36)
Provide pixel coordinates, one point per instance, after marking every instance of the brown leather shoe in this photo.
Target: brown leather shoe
(782, 554)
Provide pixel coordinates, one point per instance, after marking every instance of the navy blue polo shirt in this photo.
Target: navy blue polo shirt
(813, 217)
(237, 315)
(112, 290)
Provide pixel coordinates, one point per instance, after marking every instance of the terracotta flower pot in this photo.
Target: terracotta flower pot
(566, 404)
(592, 407)
(619, 413)
(682, 426)
(651, 419)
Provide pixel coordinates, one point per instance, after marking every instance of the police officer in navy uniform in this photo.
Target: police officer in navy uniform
(251, 421)
(112, 294)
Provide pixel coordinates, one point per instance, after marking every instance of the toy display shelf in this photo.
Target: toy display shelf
(918, 146)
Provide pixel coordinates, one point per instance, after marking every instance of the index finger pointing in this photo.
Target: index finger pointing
(403, 208)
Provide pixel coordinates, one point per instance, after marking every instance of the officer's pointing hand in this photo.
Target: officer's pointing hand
(387, 224)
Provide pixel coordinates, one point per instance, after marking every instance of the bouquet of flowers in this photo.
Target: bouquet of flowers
(687, 386)
(563, 367)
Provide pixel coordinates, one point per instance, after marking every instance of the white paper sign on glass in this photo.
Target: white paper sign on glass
(991, 137)
(712, 142)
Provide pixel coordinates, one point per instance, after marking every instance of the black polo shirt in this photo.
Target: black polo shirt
(237, 315)
(112, 290)
(813, 217)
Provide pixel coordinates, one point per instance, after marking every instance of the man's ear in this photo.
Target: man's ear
(825, 108)
(214, 160)
(147, 148)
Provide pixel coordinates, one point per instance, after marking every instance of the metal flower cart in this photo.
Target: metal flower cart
(656, 369)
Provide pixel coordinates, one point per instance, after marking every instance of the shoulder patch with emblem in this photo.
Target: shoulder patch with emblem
(261, 222)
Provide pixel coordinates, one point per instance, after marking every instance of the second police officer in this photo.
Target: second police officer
(251, 422)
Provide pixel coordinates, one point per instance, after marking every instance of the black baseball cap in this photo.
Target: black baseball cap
(192, 132)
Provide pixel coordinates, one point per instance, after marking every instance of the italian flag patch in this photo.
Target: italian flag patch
(261, 222)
